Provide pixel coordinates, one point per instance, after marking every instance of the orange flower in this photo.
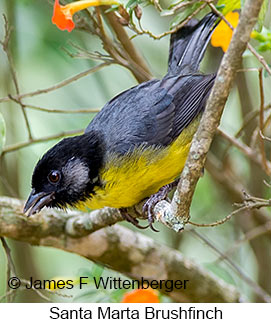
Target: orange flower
(141, 296)
(62, 16)
(221, 37)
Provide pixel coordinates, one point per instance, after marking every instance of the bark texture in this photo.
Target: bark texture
(116, 247)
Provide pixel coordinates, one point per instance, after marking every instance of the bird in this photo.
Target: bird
(136, 146)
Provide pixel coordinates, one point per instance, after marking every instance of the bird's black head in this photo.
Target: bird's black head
(67, 173)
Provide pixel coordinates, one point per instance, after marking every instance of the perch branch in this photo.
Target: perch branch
(202, 140)
(117, 247)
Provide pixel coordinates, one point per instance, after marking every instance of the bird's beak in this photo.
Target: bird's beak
(37, 201)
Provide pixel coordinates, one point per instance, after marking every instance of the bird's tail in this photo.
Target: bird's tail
(188, 44)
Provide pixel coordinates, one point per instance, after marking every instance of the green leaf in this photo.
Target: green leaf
(133, 3)
(262, 15)
(114, 7)
(2, 133)
(184, 14)
(264, 38)
(264, 47)
(229, 5)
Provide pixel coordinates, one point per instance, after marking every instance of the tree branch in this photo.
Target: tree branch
(246, 150)
(142, 72)
(6, 49)
(20, 145)
(119, 248)
(212, 114)
(58, 85)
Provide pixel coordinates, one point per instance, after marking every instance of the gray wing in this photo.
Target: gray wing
(152, 113)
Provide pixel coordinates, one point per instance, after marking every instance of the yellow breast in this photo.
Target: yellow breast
(131, 178)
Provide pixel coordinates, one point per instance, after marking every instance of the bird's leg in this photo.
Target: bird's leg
(126, 216)
(155, 198)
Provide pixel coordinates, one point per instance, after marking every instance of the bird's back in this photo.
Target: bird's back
(147, 130)
(157, 111)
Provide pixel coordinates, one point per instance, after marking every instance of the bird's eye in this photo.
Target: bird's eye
(54, 176)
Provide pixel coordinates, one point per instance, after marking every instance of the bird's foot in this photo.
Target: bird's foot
(126, 216)
(149, 205)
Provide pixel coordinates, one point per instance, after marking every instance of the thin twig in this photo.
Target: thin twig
(17, 146)
(143, 31)
(259, 57)
(157, 5)
(231, 183)
(58, 85)
(5, 45)
(25, 282)
(8, 255)
(42, 109)
(7, 294)
(219, 222)
(258, 290)
(178, 6)
(10, 264)
(141, 70)
(248, 118)
(253, 203)
(246, 150)
(118, 55)
(250, 235)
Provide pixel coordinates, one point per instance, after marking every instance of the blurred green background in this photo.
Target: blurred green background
(37, 48)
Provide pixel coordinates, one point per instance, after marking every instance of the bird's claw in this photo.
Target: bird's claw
(149, 205)
(126, 216)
